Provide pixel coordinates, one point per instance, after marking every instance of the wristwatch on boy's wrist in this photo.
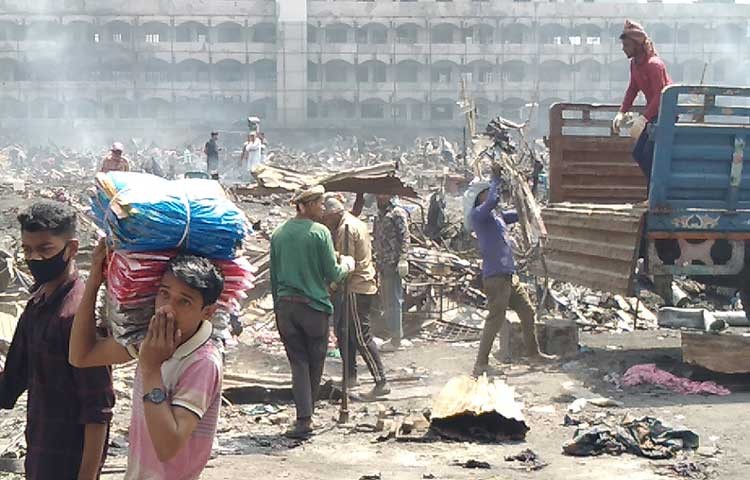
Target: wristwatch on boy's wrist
(155, 396)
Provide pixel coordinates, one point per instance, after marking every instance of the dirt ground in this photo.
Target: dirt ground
(338, 453)
(250, 442)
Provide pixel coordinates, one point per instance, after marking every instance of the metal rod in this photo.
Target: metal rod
(346, 305)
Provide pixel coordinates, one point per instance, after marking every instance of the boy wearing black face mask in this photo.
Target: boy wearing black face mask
(69, 408)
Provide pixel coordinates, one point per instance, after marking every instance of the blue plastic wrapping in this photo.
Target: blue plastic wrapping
(140, 212)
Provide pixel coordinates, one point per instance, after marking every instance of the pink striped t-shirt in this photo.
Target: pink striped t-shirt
(192, 377)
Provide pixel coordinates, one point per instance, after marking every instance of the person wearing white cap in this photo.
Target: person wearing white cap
(115, 161)
(352, 237)
(303, 265)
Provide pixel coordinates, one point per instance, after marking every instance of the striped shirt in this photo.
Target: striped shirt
(192, 377)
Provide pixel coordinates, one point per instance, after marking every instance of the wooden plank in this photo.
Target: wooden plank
(724, 353)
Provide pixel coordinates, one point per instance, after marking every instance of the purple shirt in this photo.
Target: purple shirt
(492, 233)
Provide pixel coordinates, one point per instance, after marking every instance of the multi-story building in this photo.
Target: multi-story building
(342, 64)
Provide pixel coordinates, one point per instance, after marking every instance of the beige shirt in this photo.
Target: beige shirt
(362, 279)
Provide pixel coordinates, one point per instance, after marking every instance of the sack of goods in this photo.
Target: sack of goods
(148, 221)
(145, 213)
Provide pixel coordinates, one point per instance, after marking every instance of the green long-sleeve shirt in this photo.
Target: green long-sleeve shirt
(303, 263)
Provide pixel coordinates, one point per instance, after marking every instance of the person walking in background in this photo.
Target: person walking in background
(115, 161)
(303, 265)
(212, 149)
(391, 243)
(251, 155)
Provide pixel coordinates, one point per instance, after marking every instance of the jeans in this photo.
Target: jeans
(392, 294)
(643, 152)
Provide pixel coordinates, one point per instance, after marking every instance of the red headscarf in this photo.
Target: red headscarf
(635, 32)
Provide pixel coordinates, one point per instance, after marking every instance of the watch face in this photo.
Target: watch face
(157, 395)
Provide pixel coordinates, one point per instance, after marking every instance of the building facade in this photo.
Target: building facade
(338, 64)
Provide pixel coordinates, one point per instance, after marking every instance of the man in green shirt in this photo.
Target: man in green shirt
(303, 265)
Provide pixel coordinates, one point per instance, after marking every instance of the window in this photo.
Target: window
(361, 35)
(593, 40)
(378, 73)
(230, 34)
(442, 34)
(575, 40)
(594, 74)
(485, 76)
(406, 72)
(362, 73)
(312, 34)
(417, 112)
(312, 72)
(156, 76)
(117, 37)
(379, 36)
(337, 73)
(266, 33)
(373, 110)
(442, 112)
(399, 111)
(152, 38)
(336, 34)
(407, 35)
(96, 38)
(441, 75)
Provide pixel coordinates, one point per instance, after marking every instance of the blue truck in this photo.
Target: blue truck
(692, 220)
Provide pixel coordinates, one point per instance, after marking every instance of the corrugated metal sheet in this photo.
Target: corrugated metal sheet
(594, 246)
(377, 179)
(588, 163)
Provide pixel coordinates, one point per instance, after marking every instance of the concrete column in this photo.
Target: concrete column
(291, 63)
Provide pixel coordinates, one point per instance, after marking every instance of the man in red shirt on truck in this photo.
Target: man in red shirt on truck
(648, 74)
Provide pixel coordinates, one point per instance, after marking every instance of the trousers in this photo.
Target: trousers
(392, 294)
(505, 292)
(643, 152)
(360, 339)
(304, 333)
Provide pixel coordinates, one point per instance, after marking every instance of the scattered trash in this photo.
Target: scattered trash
(686, 468)
(528, 460)
(474, 464)
(647, 437)
(371, 477)
(650, 374)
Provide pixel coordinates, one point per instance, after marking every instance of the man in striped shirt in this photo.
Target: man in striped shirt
(177, 388)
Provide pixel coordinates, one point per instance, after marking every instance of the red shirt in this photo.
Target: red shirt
(650, 77)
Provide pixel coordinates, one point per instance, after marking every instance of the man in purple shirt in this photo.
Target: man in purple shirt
(501, 284)
(69, 408)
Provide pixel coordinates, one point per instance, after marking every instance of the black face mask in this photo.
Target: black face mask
(48, 269)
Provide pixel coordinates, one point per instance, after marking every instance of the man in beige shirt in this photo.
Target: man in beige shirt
(361, 289)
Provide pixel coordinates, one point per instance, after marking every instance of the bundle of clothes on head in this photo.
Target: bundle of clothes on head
(148, 221)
